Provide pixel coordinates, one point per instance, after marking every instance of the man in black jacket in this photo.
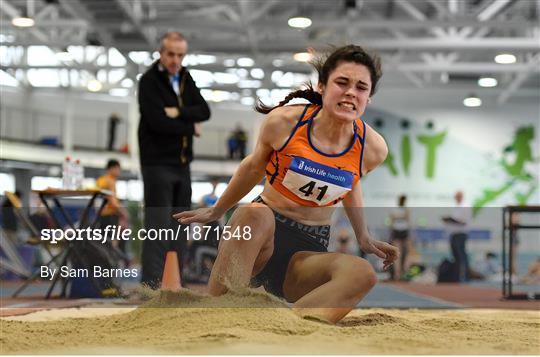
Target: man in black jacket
(170, 105)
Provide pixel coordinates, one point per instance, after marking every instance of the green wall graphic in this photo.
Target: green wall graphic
(389, 162)
(432, 143)
(430, 162)
(406, 153)
(406, 150)
(520, 150)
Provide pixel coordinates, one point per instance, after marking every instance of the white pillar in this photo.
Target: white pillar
(67, 132)
(133, 125)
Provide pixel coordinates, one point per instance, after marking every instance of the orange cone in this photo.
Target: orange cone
(171, 273)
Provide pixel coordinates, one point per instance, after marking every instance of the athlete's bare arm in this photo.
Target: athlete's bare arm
(275, 130)
(375, 151)
(354, 207)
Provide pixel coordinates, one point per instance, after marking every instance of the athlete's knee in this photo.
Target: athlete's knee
(255, 217)
(255, 223)
(360, 272)
(365, 269)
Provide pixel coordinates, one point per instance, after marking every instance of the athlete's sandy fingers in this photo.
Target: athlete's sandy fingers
(187, 216)
(371, 248)
(181, 217)
(382, 248)
(387, 263)
(392, 253)
(199, 217)
(189, 220)
(183, 214)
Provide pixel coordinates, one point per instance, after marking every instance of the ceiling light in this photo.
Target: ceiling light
(472, 101)
(245, 62)
(257, 73)
(229, 62)
(94, 85)
(225, 78)
(23, 22)
(242, 72)
(249, 84)
(487, 82)
(127, 83)
(220, 96)
(299, 22)
(303, 56)
(505, 58)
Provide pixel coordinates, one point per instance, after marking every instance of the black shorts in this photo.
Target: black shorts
(399, 235)
(289, 237)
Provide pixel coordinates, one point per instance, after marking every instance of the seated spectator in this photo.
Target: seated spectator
(9, 220)
(486, 269)
(237, 143)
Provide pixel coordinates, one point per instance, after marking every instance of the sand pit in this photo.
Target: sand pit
(187, 323)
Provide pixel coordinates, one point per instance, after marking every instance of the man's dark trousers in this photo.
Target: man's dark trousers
(167, 190)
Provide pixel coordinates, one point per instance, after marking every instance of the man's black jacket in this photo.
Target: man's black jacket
(164, 140)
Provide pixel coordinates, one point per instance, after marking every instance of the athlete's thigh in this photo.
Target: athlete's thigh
(309, 270)
(260, 221)
(265, 253)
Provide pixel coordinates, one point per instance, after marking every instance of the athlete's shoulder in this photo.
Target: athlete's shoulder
(370, 132)
(289, 113)
(279, 123)
(376, 149)
(284, 118)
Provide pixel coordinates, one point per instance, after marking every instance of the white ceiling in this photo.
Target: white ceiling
(429, 44)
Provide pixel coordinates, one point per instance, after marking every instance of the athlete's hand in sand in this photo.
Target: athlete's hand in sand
(201, 215)
(381, 249)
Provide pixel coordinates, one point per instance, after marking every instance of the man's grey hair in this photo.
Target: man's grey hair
(171, 36)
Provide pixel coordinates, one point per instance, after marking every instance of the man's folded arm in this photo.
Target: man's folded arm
(152, 109)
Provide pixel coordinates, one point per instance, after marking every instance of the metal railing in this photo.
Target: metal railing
(44, 127)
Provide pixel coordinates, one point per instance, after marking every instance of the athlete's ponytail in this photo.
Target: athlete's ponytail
(325, 66)
(309, 93)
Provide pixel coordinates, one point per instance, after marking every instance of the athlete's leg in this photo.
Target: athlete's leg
(398, 268)
(239, 259)
(404, 250)
(327, 285)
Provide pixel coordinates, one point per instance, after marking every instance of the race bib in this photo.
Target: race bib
(315, 182)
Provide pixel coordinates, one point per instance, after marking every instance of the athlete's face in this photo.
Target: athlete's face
(346, 93)
(172, 54)
(115, 171)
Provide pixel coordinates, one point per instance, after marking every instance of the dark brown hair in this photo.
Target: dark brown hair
(112, 163)
(325, 66)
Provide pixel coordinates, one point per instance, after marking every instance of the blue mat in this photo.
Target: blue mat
(391, 297)
(31, 290)
(516, 287)
(382, 295)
